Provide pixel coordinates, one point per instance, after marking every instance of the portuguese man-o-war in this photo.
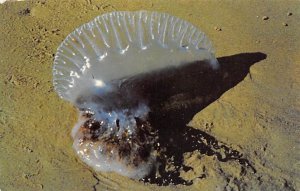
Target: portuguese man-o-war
(94, 65)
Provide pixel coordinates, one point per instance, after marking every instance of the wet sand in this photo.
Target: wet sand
(238, 129)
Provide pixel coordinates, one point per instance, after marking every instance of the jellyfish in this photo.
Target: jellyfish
(94, 69)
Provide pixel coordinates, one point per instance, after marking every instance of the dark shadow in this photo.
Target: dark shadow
(175, 96)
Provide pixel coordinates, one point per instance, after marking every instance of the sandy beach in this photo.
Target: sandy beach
(239, 130)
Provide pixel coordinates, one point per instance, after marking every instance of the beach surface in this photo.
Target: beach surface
(240, 130)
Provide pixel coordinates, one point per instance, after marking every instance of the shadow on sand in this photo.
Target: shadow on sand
(175, 96)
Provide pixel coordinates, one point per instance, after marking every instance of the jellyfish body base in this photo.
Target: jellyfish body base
(129, 153)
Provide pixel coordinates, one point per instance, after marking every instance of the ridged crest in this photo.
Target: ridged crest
(120, 44)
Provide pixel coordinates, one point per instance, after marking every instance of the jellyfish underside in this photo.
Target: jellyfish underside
(129, 151)
(116, 126)
(100, 67)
